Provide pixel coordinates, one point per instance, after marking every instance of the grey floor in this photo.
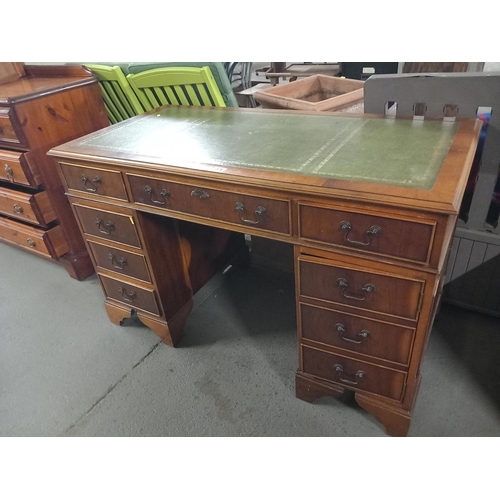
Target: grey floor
(65, 370)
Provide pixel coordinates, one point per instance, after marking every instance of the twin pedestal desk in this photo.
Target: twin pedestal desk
(369, 203)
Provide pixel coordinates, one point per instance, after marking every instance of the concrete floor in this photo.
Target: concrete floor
(65, 370)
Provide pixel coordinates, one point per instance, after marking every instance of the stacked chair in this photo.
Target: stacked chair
(137, 92)
(119, 98)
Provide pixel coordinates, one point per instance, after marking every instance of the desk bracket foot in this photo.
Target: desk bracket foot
(116, 313)
(171, 332)
(395, 420)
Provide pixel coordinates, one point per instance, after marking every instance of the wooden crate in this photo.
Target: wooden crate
(314, 93)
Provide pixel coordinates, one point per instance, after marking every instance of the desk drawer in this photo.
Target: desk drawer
(49, 243)
(108, 225)
(9, 130)
(403, 239)
(389, 294)
(131, 295)
(361, 335)
(244, 210)
(32, 208)
(94, 181)
(120, 261)
(18, 168)
(353, 374)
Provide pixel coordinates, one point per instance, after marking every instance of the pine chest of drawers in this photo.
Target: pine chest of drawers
(369, 204)
(47, 106)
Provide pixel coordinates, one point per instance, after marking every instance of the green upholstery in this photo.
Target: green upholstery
(176, 86)
(119, 98)
(217, 69)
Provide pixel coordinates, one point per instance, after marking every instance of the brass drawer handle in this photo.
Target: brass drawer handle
(364, 291)
(117, 264)
(127, 296)
(18, 209)
(9, 173)
(163, 193)
(373, 231)
(260, 211)
(31, 243)
(359, 374)
(341, 329)
(200, 193)
(95, 181)
(108, 225)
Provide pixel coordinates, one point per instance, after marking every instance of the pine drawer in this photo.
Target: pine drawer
(18, 168)
(50, 243)
(33, 208)
(10, 131)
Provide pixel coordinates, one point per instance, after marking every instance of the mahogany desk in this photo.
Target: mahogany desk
(369, 203)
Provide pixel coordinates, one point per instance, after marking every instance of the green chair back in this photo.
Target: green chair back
(176, 86)
(217, 69)
(119, 98)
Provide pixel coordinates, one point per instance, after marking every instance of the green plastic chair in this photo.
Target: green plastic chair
(176, 86)
(119, 98)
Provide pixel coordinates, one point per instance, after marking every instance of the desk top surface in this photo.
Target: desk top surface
(356, 149)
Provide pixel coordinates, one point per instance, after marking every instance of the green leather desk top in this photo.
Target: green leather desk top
(405, 153)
